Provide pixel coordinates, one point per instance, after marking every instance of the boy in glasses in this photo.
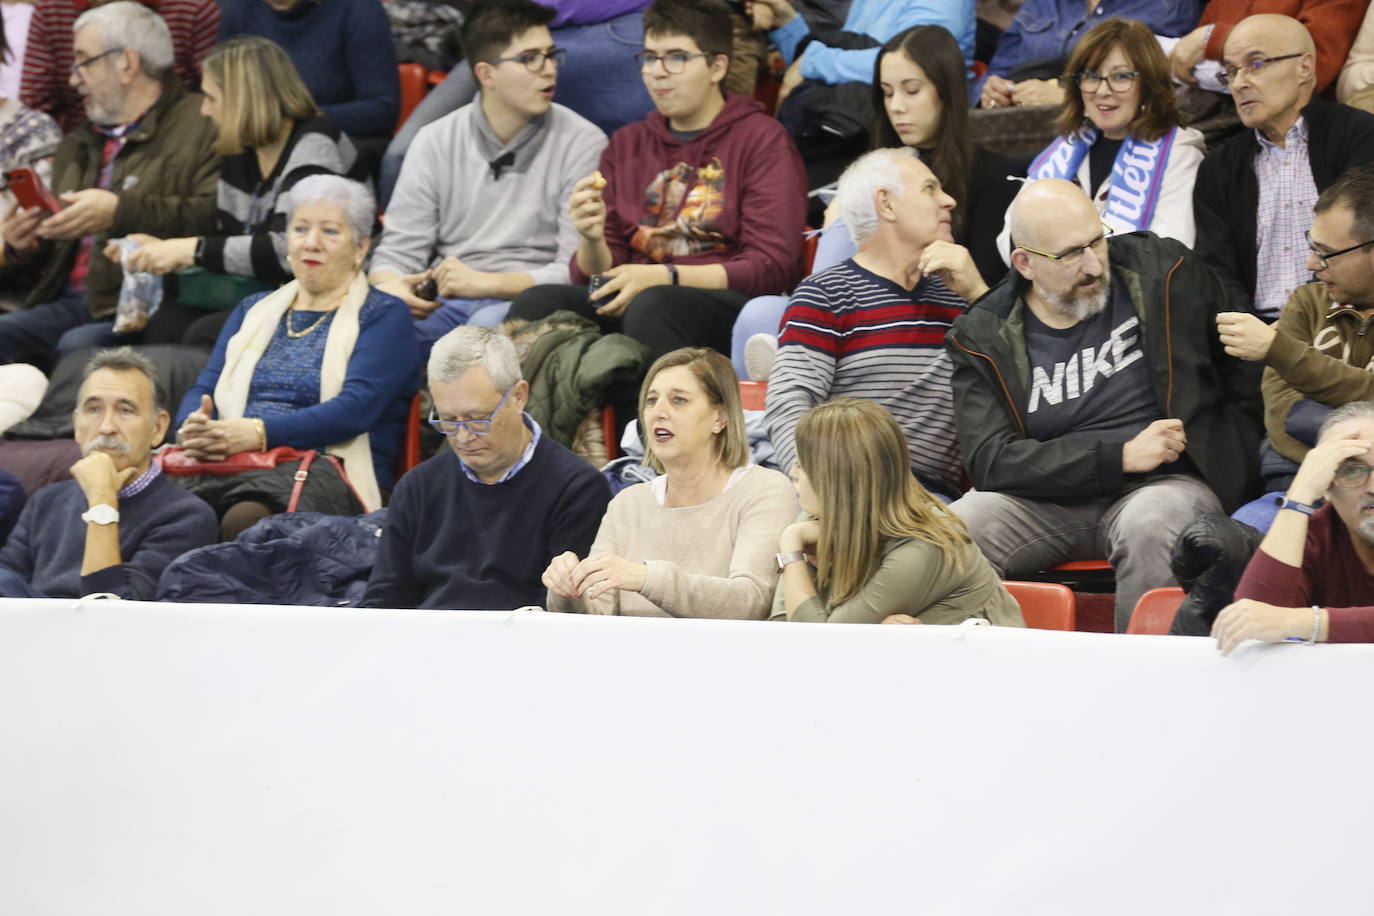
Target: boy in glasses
(480, 207)
(692, 211)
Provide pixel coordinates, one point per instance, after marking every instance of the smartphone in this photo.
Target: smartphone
(30, 190)
(595, 283)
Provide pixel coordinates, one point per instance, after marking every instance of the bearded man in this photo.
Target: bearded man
(1097, 412)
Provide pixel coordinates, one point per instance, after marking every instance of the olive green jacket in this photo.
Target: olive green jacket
(165, 177)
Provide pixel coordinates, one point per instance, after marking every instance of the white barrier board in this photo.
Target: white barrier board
(203, 760)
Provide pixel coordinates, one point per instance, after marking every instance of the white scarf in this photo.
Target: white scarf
(246, 347)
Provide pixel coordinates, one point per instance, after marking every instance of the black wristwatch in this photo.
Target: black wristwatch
(1283, 502)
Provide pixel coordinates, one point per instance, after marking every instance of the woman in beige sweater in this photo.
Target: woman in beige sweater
(874, 546)
(697, 541)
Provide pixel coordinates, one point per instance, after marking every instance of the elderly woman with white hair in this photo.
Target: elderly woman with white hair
(324, 362)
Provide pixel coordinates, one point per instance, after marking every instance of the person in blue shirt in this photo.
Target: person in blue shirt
(342, 49)
(1031, 53)
(824, 91)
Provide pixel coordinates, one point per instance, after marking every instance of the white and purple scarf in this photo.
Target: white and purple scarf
(1137, 174)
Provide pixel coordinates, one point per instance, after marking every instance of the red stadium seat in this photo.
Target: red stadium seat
(1044, 605)
(1154, 612)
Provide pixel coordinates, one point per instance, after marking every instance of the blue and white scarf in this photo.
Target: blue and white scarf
(1136, 176)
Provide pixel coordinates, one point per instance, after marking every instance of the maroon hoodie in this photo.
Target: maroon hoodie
(736, 196)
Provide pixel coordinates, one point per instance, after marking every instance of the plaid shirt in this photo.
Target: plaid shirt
(1287, 194)
(143, 482)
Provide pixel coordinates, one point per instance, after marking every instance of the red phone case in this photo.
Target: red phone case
(30, 190)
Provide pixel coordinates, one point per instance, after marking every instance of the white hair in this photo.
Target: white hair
(1355, 410)
(470, 345)
(860, 184)
(352, 197)
(126, 25)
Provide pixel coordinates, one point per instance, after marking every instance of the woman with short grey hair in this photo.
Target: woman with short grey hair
(325, 362)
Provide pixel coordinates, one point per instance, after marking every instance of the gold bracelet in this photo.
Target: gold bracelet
(262, 434)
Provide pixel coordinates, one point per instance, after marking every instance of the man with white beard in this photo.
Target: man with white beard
(118, 522)
(1097, 413)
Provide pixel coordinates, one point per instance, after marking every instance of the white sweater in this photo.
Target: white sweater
(448, 201)
(713, 560)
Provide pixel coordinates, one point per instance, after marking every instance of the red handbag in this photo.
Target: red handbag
(177, 463)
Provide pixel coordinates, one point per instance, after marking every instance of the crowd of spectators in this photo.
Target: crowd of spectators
(998, 362)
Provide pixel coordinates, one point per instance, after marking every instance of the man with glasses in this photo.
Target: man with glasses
(1332, 25)
(1096, 412)
(144, 163)
(1312, 579)
(694, 210)
(1253, 195)
(48, 51)
(1320, 354)
(475, 526)
(481, 204)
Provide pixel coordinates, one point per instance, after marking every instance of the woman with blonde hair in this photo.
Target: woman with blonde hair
(271, 135)
(698, 540)
(874, 545)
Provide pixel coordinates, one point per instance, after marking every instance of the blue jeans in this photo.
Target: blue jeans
(1259, 513)
(451, 313)
(599, 80)
(62, 325)
(763, 314)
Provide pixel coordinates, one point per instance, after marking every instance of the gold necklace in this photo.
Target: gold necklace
(297, 335)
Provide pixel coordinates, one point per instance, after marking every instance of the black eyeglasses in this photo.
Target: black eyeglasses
(1324, 258)
(81, 64)
(534, 60)
(1349, 476)
(1071, 256)
(1226, 73)
(673, 61)
(479, 427)
(1117, 80)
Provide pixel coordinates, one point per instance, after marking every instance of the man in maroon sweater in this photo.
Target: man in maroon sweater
(1313, 577)
(695, 209)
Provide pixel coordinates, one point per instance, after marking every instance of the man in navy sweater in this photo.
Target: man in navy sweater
(117, 524)
(474, 527)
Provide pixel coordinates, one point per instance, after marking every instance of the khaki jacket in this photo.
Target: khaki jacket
(165, 178)
(1323, 352)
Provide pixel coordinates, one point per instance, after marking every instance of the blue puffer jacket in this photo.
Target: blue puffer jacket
(304, 558)
(12, 499)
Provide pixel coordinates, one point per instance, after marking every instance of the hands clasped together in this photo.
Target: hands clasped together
(569, 577)
(208, 439)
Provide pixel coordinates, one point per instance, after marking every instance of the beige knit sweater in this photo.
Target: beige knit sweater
(713, 560)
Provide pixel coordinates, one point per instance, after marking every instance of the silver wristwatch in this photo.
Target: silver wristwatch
(785, 559)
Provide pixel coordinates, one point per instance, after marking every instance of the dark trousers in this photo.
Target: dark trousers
(663, 318)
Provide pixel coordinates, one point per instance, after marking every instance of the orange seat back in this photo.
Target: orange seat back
(1154, 612)
(1044, 605)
